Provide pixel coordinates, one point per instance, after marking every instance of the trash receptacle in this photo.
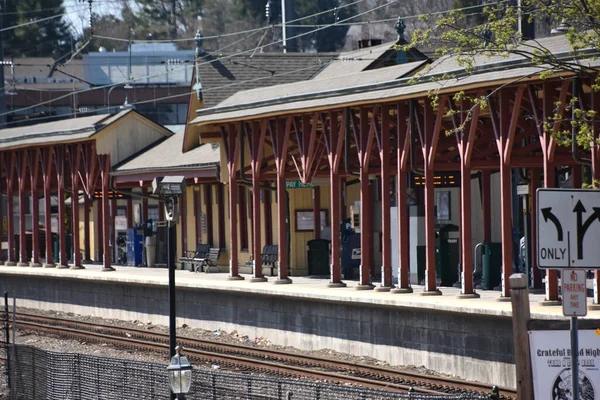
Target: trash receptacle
(447, 255)
(492, 265)
(318, 256)
(150, 250)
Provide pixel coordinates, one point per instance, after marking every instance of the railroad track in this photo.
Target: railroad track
(261, 360)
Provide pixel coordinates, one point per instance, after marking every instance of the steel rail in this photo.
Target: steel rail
(277, 362)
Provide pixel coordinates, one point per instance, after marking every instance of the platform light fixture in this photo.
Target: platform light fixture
(180, 374)
(169, 188)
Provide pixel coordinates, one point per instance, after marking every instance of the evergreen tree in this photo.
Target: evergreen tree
(51, 37)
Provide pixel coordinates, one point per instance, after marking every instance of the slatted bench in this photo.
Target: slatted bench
(193, 256)
(210, 261)
(269, 257)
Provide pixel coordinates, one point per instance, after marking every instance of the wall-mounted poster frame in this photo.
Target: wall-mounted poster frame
(305, 220)
(442, 203)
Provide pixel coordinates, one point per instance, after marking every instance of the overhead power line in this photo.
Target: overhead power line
(249, 51)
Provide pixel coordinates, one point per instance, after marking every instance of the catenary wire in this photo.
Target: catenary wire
(220, 58)
(207, 62)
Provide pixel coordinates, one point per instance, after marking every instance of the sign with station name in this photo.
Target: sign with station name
(568, 228)
(574, 292)
(551, 364)
(297, 184)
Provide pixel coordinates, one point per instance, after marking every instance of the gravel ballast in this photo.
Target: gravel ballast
(60, 345)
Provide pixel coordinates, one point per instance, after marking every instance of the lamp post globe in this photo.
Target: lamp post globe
(180, 374)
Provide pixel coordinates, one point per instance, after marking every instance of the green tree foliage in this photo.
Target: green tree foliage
(48, 38)
(496, 34)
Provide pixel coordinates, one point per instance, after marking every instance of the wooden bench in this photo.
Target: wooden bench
(269, 257)
(210, 261)
(191, 256)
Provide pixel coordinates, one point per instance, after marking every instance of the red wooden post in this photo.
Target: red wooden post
(466, 140)
(86, 227)
(256, 140)
(75, 161)
(21, 179)
(105, 177)
(552, 297)
(505, 125)
(59, 161)
(334, 138)
(384, 145)
(403, 154)
(279, 131)
(429, 139)
(232, 150)
(34, 168)
(9, 164)
(100, 224)
(113, 230)
(534, 184)
(364, 142)
(548, 150)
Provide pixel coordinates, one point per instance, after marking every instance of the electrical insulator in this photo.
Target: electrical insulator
(268, 10)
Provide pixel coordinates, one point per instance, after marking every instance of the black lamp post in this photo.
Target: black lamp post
(170, 188)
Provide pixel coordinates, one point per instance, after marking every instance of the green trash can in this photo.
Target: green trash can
(318, 256)
(491, 265)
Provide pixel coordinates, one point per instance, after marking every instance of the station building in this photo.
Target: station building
(353, 144)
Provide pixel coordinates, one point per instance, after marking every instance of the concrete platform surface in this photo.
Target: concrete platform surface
(306, 288)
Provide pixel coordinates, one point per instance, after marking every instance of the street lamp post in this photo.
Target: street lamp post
(170, 188)
(180, 375)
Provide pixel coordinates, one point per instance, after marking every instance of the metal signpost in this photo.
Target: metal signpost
(568, 227)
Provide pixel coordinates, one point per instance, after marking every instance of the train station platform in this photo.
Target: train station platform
(471, 338)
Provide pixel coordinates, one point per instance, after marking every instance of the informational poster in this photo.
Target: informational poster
(551, 364)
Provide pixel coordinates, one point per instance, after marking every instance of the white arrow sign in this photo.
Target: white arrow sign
(568, 228)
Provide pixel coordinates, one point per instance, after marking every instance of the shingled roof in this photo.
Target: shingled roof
(224, 75)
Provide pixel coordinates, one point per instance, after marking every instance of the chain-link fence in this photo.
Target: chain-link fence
(37, 374)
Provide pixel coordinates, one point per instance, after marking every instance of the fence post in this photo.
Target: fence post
(520, 317)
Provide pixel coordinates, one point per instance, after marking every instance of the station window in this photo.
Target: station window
(153, 214)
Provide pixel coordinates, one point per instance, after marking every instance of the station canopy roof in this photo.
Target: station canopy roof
(444, 74)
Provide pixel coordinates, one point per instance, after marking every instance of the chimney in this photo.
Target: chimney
(364, 43)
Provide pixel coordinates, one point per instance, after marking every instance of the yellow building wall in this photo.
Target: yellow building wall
(302, 199)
